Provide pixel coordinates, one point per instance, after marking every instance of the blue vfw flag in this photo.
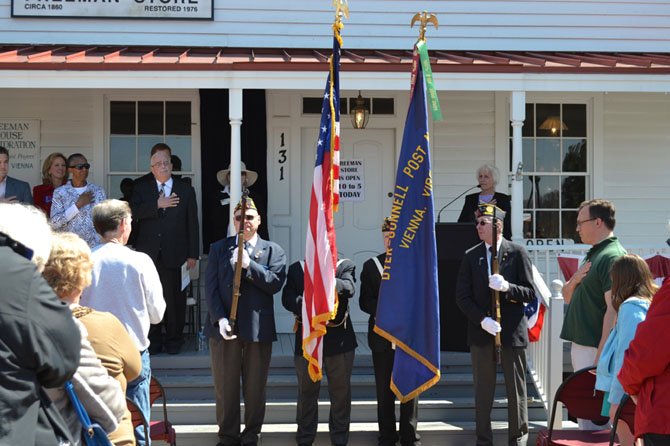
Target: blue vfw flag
(408, 312)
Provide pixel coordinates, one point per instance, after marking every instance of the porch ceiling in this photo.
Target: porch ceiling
(117, 58)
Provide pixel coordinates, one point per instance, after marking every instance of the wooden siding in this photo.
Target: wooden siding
(635, 168)
(67, 122)
(461, 143)
(595, 25)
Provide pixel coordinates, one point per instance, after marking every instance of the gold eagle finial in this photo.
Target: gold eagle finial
(341, 9)
(424, 18)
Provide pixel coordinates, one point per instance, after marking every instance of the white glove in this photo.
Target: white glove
(245, 259)
(487, 324)
(225, 329)
(498, 283)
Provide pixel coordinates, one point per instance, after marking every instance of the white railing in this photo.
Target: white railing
(545, 357)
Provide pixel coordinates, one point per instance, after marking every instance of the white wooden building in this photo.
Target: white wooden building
(111, 87)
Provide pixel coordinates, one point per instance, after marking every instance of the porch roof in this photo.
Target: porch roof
(135, 58)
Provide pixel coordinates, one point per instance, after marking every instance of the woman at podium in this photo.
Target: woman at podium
(487, 178)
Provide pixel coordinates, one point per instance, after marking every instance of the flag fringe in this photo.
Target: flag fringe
(411, 352)
(319, 322)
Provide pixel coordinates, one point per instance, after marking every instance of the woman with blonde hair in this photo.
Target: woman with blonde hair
(54, 174)
(68, 271)
(632, 290)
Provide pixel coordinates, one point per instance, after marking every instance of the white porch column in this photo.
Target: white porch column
(517, 116)
(235, 115)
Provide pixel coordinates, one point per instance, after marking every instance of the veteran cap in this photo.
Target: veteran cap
(250, 205)
(386, 224)
(490, 210)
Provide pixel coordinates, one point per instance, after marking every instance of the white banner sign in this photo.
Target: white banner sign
(352, 181)
(21, 137)
(93, 9)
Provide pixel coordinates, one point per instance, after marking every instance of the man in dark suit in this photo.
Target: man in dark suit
(383, 354)
(473, 296)
(244, 349)
(339, 346)
(166, 214)
(11, 189)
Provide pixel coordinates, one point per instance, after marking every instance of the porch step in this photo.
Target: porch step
(194, 387)
(361, 434)
(362, 411)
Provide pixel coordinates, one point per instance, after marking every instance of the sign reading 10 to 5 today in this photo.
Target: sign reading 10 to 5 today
(100, 9)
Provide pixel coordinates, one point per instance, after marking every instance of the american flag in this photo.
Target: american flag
(320, 298)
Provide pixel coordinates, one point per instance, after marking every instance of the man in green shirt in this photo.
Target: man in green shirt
(590, 315)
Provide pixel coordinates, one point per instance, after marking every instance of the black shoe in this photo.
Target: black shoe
(155, 349)
(173, 349)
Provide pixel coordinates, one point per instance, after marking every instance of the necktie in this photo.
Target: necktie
(247, 247)
(161, 193)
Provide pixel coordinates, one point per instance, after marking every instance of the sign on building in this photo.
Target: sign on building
(352, 181)
(21, 137)
(136, 9)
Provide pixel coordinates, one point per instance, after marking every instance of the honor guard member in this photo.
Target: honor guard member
(339, 345)
(244, 352)
(473, 296)
(383, 353)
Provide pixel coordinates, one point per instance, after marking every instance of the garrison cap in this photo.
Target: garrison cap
(250, 205)
(489, 210)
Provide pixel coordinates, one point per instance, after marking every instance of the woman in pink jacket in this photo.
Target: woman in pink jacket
(645, 374)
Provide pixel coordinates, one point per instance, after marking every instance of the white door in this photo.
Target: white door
(357, 223)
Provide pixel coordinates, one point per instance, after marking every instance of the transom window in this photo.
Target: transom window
(556, 169)
(135, 126)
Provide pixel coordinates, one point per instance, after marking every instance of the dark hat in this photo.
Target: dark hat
(250, 205)
(489, 210)
(223, 176)
(386, 224)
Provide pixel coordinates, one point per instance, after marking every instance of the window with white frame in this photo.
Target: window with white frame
(556, 168)
(135, 126)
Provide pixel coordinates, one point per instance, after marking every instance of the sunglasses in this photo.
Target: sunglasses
(247, 217)
(81, 166)
(482, 223)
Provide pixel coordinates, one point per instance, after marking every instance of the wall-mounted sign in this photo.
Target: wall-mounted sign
(21, 137)
(549, 241)
(101, 9)
(352, 181)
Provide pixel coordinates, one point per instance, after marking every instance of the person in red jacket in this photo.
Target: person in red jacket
(645, 374)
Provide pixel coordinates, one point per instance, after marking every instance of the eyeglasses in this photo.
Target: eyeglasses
(482, 223)
(161, 163)
(247, 217)
(81, 166)
(579, 223)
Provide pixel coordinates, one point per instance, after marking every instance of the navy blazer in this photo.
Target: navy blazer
(473, 295)
(340, 338)
(174, 232)
(503, 201)
(19, 189)
(371, 280)
(264, 277)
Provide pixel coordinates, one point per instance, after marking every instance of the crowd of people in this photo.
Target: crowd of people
(81, 305)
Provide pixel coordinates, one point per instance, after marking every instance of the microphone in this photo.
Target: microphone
(443, 207)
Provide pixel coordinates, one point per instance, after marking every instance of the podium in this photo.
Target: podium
(453, 239)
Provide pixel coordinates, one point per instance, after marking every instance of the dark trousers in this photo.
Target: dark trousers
(484, 371)
(232, 360)
(409, 411)
(656, 439)
(338, 370)
(175, 310)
